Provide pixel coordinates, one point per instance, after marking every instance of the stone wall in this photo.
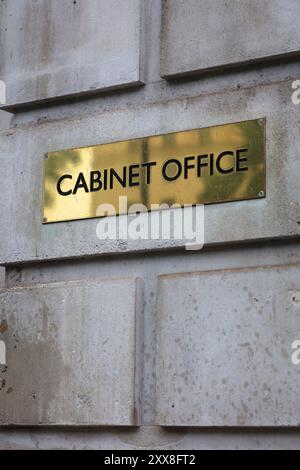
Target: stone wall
(142, 344)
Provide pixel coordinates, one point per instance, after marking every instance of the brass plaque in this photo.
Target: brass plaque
(199, 166)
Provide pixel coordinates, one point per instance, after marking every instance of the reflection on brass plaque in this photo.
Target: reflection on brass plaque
(200, 166)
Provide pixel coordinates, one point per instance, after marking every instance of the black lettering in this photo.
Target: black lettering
(80, 183)
(95, 181)
(211, 164)
(218, 163)
(240, 159)
(105, 179)
(200, 164)
(133, 175)
(58, 186)
(164, 169)
(148, 166)
(114, 174)
(187, 166)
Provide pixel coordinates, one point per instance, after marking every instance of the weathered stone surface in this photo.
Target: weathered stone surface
(2, 276)
(72, 355)
(224, 346)
(51, 50)
(149, 438)
(24, 238)
(159, 107)
(5, 120)
(202, 35)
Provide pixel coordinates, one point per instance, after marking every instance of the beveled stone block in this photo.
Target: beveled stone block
(72, 353)
(224, 348)
(200, 35)
(53, 50)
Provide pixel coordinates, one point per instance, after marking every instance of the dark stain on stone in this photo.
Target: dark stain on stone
(3, 326)
(38, 394)
(134, 416)
(9, 390)
(2, 384)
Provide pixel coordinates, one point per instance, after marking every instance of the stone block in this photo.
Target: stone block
(72, 353)
(224, 348)
(200, 35)
(53, 50)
